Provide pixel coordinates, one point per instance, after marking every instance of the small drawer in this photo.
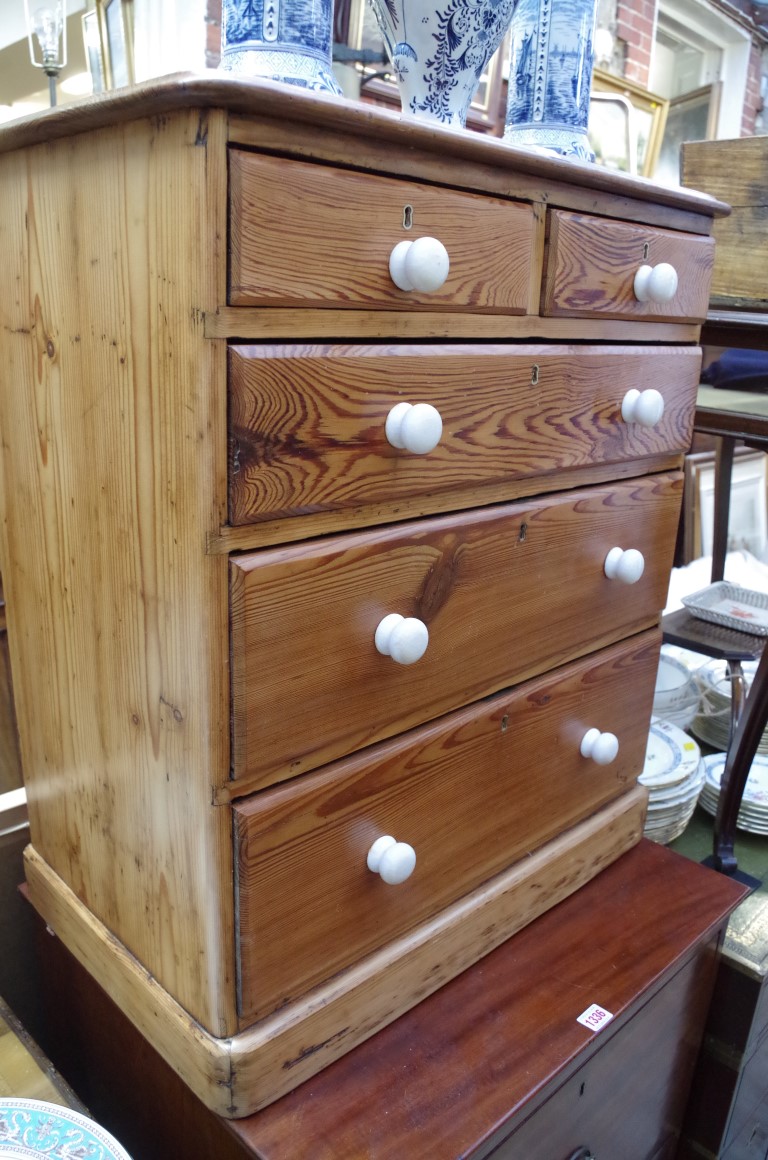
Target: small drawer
(310, 428)
(505, 593)
(471, 794)
(592, 262)
(310, 235)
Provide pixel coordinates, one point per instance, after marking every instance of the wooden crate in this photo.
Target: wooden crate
(735, 172)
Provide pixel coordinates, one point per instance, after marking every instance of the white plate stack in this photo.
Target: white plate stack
(753, 812)
(674, 776)
(676, 697)
(712, 722)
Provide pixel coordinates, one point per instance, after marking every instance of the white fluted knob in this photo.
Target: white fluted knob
(404, 638)
(626, 565)
(392, 861)
(602, 748)
(414, 427)
(656, 283)
(643, 407)
(422, 265)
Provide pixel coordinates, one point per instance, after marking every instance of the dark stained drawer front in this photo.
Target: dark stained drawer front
(592, 263)
(471, 794)
(309, 425)
(505, 592)
(311, 235)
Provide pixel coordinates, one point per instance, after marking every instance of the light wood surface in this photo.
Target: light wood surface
(236, 1076)
(736, 172)
(508, 412)
(471, 793)
(592, 264)
(329, 243)
(506, 593)
(114, 469)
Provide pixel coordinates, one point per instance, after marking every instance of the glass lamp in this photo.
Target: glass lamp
(47, 36)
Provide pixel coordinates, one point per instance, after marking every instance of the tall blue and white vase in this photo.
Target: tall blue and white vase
(550, 77)
(281, 40)
(439, 49)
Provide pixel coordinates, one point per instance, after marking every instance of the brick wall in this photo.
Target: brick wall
(635, 21)
(212, 33)
(752, 101)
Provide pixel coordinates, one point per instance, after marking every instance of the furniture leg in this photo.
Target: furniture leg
(723, 473)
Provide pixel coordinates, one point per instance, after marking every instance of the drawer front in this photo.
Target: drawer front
(471, 794)
(310, 235)
(592, 262)
(308, 424)
(505, 592)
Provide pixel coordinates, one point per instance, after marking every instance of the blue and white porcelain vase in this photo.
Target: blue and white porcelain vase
(550, 77)
(281, 40)
(439, 50)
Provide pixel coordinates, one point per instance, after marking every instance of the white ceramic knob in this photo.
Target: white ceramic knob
(421, 265)
(625, 565)
(404, 638)
(601, 747)
(656, 283)
(414, 427)
(643, 407)
(392, 861)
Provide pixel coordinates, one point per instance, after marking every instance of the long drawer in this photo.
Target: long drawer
(505, 593)
(471, 793)
(308, 424)
(310, 235)
(591, 264)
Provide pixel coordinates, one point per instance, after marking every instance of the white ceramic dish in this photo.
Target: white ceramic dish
(730, 606)
(35, 1130)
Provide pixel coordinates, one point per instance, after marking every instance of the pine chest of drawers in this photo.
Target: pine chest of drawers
(333, 604)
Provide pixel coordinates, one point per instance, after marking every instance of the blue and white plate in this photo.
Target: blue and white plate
(31, 1129)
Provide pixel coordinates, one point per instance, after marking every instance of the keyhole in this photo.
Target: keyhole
(646, 250)
(523, 533)
(534, 375)
(407, 217)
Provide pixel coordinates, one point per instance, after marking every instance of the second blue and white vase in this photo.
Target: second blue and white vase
(550, 77)
(439, 49)
(281, 40)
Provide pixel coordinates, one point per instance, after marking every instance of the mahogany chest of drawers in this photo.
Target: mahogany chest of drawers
(333, 604)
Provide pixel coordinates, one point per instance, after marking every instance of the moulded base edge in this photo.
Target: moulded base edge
(238, 1075)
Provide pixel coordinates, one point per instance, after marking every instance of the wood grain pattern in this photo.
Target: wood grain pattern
(306, 424)
(239, 1075)
(591, 265)
(485, 583)
(737, 172)
(329, 243)
(112, 408)
(472, 793)
(484, 1052)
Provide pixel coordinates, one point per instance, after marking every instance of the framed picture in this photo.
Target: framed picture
(626, 124)
(93, 56)
(748, 516)
(115, 19)
(691, 117)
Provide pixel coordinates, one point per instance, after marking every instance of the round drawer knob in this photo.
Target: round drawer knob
(601, 747)
(626, 565)
(656, 283)
(414, 427)
(404, 638)
(392, 861)
(643, 407)
(421, 265)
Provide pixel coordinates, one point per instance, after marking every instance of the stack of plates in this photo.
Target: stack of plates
(712, 722)
(753, 813)
(674, 776)
(676, 697)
